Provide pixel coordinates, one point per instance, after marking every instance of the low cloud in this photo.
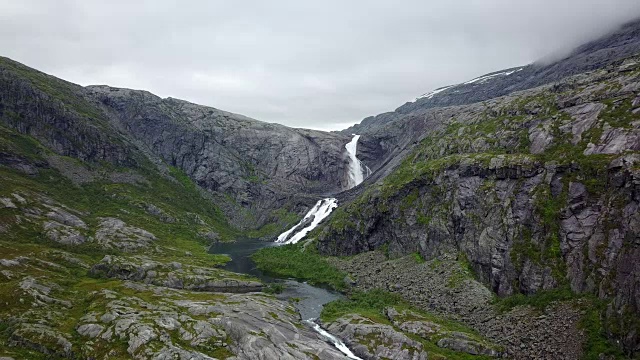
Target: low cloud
(320, 65)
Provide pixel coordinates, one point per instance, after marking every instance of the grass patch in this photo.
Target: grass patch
(370, 304)
(539, 300)
(291, 261)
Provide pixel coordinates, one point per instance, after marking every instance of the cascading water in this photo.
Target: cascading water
(334, 340)
(319, 212)
(356, 175)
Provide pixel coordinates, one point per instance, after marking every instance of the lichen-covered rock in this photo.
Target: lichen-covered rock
(173, 275)
(115, 233)
(371, 340)
(462, 342)
(42, 338)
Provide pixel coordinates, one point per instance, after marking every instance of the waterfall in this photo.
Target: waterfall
(319, 212)
(323, 208)
(334, 340)
(357, 173)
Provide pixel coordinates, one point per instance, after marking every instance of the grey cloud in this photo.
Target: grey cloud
(305, 64)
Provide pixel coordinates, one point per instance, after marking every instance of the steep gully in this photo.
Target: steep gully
(312, 299)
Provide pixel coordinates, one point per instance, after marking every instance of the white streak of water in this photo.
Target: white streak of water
(334, 340)
(320, 211)
(356, 171)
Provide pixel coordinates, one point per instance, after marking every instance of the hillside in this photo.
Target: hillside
(534, 191)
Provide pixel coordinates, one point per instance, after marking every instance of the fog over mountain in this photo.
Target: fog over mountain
(325, 65)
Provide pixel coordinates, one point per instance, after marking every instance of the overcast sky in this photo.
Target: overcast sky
(322, 64)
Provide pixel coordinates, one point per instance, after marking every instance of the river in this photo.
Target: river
(309, 299)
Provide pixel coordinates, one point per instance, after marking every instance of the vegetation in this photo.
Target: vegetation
(372, 304)
(292, 261)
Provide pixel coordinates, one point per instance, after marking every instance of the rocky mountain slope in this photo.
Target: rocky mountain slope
(508, 203)
(536, 190)
(109, 199)
(250, 167)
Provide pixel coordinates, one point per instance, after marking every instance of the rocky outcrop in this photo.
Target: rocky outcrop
(173, 275)
(370, 340)
(115, 233)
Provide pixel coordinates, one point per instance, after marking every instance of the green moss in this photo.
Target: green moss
(370, 304)
(539, 300)
(597, 342)
(418, 258)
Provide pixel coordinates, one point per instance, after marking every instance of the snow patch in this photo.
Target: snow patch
(485, 78)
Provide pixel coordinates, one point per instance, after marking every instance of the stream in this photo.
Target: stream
(309, 299)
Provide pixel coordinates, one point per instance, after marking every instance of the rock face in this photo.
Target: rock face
(258, 164)
(251, 167)
(537, 190)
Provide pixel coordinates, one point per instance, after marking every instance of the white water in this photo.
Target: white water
(320, 211)
(356, 171)
(334, 340)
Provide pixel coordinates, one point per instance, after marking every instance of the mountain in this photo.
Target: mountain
(596, 54)
(500, 220)
(528, 177)
(250, 167)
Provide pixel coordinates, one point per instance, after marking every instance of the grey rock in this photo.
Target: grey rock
(7, 203)
(375, 341)
(9, 262)
(585, 117)
(90, 330)
(115, 233)
(464, 344)
(540, 138)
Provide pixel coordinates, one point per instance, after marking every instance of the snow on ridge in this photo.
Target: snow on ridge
(478, 80)
(484, 78)
(430, 94)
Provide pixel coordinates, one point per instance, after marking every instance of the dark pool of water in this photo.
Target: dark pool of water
(308, 299)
